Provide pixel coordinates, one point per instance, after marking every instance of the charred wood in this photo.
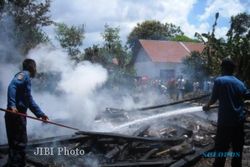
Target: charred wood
(149, 154)
(127, 138)
(157, 162)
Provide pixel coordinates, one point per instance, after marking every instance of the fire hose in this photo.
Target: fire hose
(98, 134)
(37, 119)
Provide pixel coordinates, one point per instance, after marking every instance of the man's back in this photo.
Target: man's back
(19, 100)
(230, 129)
(16, 91)
(229, 91)
(181, 83)
(19, 94)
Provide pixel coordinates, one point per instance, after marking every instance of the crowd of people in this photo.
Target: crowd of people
(175, 88)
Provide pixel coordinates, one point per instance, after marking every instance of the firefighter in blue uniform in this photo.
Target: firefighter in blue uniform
(19, 100)
(231, 93)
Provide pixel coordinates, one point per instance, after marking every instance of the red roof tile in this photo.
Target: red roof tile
(169, 51)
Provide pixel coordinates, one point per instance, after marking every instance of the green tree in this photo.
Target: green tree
(111, 55)
(111, 37)
(184, 38)
(29, 17)
(152, 29)
(194, 66)
(94, 55)
(214, 50)
(238, 44)
(70, 38)
(198, 66)
(113, 46)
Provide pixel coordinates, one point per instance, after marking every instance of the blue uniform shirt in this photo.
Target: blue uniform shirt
(230, 92)
(19, 94)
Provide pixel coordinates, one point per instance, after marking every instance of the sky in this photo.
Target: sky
(191, 15)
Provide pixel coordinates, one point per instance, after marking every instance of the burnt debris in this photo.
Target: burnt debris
(171, 141)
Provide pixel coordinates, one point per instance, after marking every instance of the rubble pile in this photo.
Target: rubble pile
(171, 141)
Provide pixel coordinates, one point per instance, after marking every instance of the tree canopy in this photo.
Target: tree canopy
(236, 46)
(111, 37)
(29, 17)
(194, 66)
(152, 29)
(70, 38)
(184, 38)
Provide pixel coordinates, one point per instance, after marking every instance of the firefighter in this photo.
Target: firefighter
(19, 100)
(231, 93)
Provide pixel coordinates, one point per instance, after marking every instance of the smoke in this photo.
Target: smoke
(75, 102)
(8, 63)
(8, 52)
(71, 94)
(74, 105)
(76, 83)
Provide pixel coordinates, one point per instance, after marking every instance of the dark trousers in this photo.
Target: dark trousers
(180, 94)
(226, 136)
(17, 139)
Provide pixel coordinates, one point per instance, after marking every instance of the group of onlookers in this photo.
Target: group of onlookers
(175, 88)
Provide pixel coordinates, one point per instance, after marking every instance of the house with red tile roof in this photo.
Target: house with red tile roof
(163, 59)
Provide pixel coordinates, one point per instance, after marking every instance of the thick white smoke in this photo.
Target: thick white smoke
(72, 96)
(75, 104)
(8, 64)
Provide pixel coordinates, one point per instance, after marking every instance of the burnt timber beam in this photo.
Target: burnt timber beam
(163, 105)
(118, 149)
(158, 162)
(128, 138)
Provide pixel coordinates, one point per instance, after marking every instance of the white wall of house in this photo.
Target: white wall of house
(145, 67)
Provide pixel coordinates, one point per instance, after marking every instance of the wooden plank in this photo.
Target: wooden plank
(118, 149)
(163, 105)
(165, 162)
(170, 141)
(149, 154)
